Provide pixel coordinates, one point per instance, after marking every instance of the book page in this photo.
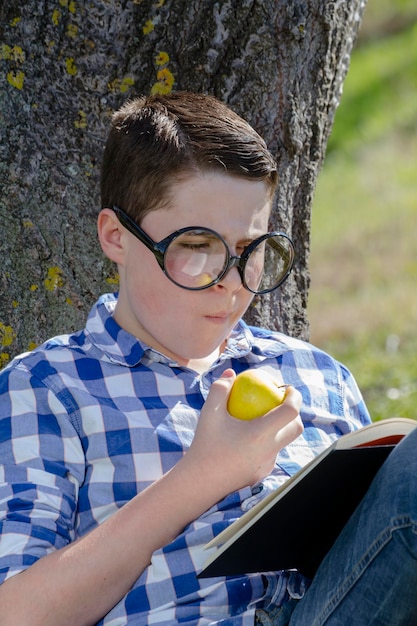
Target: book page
(385, 432)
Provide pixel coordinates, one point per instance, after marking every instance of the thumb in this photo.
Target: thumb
(227, 379)
(229, 373)
(221, 387)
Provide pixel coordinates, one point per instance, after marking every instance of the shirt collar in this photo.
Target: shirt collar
(119, 346)
(105, 334)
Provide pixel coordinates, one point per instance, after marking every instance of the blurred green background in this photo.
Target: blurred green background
(363, 263)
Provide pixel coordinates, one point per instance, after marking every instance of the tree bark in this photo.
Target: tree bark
(66, 65)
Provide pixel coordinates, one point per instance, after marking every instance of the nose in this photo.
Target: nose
(232, 279)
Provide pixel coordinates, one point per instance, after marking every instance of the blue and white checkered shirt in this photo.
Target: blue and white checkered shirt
(88, 420)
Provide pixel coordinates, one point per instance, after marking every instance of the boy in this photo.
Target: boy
(119, 459)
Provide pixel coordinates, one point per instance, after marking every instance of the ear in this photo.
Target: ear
(110, 232)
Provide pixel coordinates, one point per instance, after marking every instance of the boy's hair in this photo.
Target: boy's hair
(158, 140)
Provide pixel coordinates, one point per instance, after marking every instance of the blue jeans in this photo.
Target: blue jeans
(369, 577)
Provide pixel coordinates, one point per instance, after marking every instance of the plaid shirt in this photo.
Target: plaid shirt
(90, 419)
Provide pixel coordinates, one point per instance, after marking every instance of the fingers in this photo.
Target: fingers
(293, 397)
(286, 434)
(284, 420)
(290, 407)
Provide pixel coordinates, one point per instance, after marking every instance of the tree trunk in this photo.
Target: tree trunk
(66, 65)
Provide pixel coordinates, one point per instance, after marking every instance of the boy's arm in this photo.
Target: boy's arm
(80, 583)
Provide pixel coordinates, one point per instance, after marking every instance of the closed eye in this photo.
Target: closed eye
(190, 245)
(242, 246)
(199, 243)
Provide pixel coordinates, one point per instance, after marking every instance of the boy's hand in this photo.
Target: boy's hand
(239, 453)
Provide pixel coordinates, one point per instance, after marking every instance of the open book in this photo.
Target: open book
(296, 525)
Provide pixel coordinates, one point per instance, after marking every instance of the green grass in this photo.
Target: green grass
(363, 296)
(378, 94)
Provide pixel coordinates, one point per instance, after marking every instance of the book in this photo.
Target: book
(296, 525)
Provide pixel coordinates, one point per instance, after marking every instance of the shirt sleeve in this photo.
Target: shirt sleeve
(41, 468)
(355, 407)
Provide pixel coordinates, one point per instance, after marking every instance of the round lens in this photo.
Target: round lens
(268, 263)
(196, 258)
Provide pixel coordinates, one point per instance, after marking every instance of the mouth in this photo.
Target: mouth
(218, 317)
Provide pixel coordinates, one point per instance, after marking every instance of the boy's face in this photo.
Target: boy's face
(190, 325)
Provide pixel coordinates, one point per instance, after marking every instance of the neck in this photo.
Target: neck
(202, 365)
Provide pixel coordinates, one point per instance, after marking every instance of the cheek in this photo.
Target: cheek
(152, 299)
(157, 298)
(245, 300)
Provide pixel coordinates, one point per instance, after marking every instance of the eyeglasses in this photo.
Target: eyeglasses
(197, 258)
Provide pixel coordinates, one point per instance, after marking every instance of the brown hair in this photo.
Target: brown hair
(158, 140)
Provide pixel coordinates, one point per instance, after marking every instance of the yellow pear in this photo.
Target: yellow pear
(254, 393)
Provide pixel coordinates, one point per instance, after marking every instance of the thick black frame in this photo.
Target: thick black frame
(159, 248)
